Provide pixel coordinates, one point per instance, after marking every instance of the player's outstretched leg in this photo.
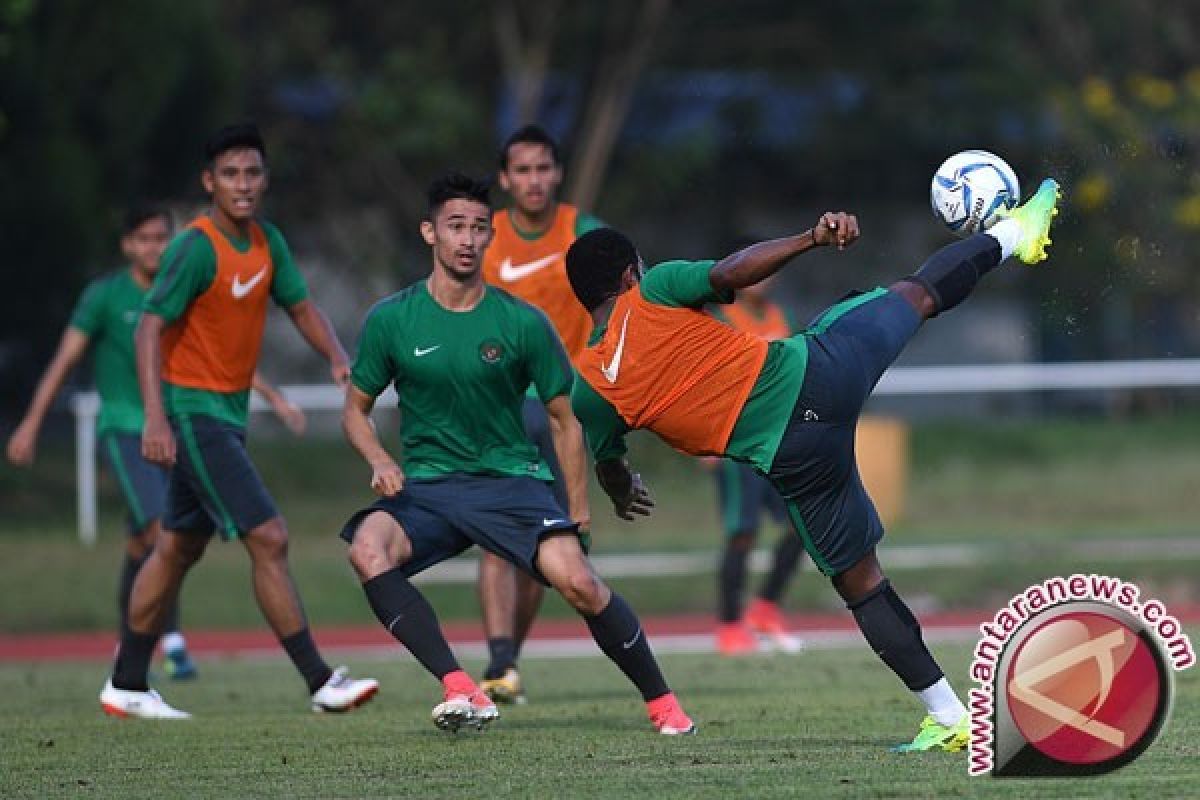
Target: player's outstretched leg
(406, 615)
(614, 626)
(895, 635)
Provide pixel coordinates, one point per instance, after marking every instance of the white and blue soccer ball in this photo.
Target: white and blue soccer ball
(969, 188)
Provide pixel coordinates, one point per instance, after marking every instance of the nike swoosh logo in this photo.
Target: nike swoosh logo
(510, 272)
(546, 523)
(610, 371)
(424, 351)
(633, 641)
(240, 289)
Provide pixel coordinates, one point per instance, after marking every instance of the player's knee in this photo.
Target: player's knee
(268, 541)
(582, 590)
(180, 552)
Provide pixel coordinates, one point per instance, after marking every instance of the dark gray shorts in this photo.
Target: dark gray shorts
(143, 483)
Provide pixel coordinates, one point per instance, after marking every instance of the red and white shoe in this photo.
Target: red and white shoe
(766, 618)
(667, 716)
(735, 639)
(457, 709)
(128, 703)
(343, 693)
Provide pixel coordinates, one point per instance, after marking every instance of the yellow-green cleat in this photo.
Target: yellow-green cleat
(1034, 217)
(934, 736)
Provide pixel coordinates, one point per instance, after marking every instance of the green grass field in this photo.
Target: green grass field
(814, 725)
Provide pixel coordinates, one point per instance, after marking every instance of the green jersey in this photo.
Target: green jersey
(107, 313)
(461, 378)
(188, 271)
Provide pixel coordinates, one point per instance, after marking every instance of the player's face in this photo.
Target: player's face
(236, 180)
(459, 235)
(144, 245)
(531, 177)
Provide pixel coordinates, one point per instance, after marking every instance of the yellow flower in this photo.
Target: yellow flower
(1098, 97)
(1187, 212)
(1153, 92)
(1092, 191)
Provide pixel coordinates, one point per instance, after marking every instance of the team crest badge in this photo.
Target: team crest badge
(491, 352)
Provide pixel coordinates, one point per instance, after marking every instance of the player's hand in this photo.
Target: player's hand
(387, 479)
(22, 445)
(836, 228)
(291, 415)
(158, 443)
(340, 372)
(636, 501)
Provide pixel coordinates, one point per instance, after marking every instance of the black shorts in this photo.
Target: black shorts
(444, 516)
(743, 495)
(143, 483)
(214, 485)
(849, 347)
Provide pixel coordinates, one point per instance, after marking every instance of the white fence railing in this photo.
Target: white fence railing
(1101, 375)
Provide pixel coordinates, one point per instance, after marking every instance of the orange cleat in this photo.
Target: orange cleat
(765, 617)
(735, 639)
(667, 716)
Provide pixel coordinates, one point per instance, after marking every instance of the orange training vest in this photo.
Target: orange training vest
(771, 326)
(214, 345)
(536, 271)
(677, 371)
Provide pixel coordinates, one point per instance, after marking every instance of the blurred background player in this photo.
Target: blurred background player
(104, 319)
(461, 355)
(197, 344)
(743, 496)
(789, 407)
(527, 258)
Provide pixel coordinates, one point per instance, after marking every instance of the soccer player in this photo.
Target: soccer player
(104, 320)
(743, 496)
(460, 355)
(788, 408)
(527, 258)
(197, 344)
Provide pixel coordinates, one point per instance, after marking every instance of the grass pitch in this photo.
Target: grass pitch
(814, 725)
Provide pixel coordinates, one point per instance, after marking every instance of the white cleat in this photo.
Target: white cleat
(784, 642)
(126, 703)
(458, 710)
(343, 693)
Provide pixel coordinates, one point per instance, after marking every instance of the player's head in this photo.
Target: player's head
(235, 171)
(602, 264)
(144, 235)
(458, 224)
(530, 169)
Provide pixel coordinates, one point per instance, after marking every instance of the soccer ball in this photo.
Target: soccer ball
(969, 188)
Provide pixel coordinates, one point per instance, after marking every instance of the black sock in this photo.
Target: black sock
(783, 566)
(302, 650)
(951, 273)
(619, 633)
(895, 636)
(133, 660)
(502, 653)
(129, 571)
(731, 580)
(408, 616)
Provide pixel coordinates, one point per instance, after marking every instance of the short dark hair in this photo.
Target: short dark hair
(234, 137)
(595, 263)
(138, 215)
(456, 185)
(530, 134)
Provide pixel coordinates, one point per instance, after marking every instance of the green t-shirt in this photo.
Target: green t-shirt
(460, 378)
(763, 418)
(108, 313)
(189, 267)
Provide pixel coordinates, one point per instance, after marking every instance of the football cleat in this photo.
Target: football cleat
(1035, 217)
(127, 703)
(735, 639)
(505, 689)
(343, 693)
(765, 618)
(179, 665)
(667, 716)
(935, 736)
(457, 710)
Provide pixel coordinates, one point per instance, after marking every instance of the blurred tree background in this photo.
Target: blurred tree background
(689, 124)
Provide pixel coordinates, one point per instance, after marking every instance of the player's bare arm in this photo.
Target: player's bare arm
(568, 446)
(625, 488)
(387, 479)
(759, 261)
(158, 443)
(290, 414)
(316, 329)
(22, 445)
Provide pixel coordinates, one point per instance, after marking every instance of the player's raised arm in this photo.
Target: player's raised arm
(158, 443)
(22, 445)
(387, 479)
(758, 261)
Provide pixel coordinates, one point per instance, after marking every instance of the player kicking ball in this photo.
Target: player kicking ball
(788, 408)
(460, 355)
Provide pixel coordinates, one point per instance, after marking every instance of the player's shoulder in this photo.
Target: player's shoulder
(395, 305)
(509, 303)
